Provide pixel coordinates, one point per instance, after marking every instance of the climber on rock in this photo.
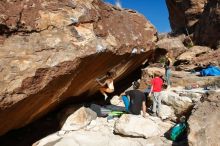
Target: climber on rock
(135, 100)
(108, 85)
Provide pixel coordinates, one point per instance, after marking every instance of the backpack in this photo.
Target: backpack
(177, 131)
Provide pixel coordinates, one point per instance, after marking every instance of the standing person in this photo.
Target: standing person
(135, 100)
(108, 85)
(156, 87)
(168, 64)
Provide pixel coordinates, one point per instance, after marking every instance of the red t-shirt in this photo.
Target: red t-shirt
(157, 84)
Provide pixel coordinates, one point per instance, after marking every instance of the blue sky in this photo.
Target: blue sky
(154, 10)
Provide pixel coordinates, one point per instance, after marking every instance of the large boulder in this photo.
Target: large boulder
(193, 59)
(133, 125)
(181, 104)
(186, 61)
(204, 124)
(79, 119)
(172, 45)
(201, 18)
(166, 112)
(185, 14)
(205, 59)
(208, 31)
(193, 52)
(53, 50)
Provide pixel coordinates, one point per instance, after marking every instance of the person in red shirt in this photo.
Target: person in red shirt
(156, 88)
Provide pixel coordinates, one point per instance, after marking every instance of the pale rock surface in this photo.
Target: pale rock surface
(166, 112)
(98, 133)
(204, 123)
(66, 112)
(136, 125)
(89, 138)
(180, 104)
(79, 119)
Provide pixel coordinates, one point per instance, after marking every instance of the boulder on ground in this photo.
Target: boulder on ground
(181, 104)
(136, 125)
(166, 112)
(79, 119)
(204, 123)
(66, 112)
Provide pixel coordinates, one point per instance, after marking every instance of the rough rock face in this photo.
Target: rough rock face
(173, 45)
(200, 17)
(54, 49)
(208, 31)
(186, 61)
(205, 59)
(178, 78)
(184, 14)
(193, 52)
(193, 59)
(204, 122)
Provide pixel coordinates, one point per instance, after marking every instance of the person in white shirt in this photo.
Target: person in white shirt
(108, 85)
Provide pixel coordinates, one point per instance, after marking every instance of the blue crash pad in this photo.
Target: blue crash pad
(210, 71)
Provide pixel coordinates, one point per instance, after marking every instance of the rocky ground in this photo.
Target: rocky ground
(79, 125)
(52, 52)
(83, 127)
